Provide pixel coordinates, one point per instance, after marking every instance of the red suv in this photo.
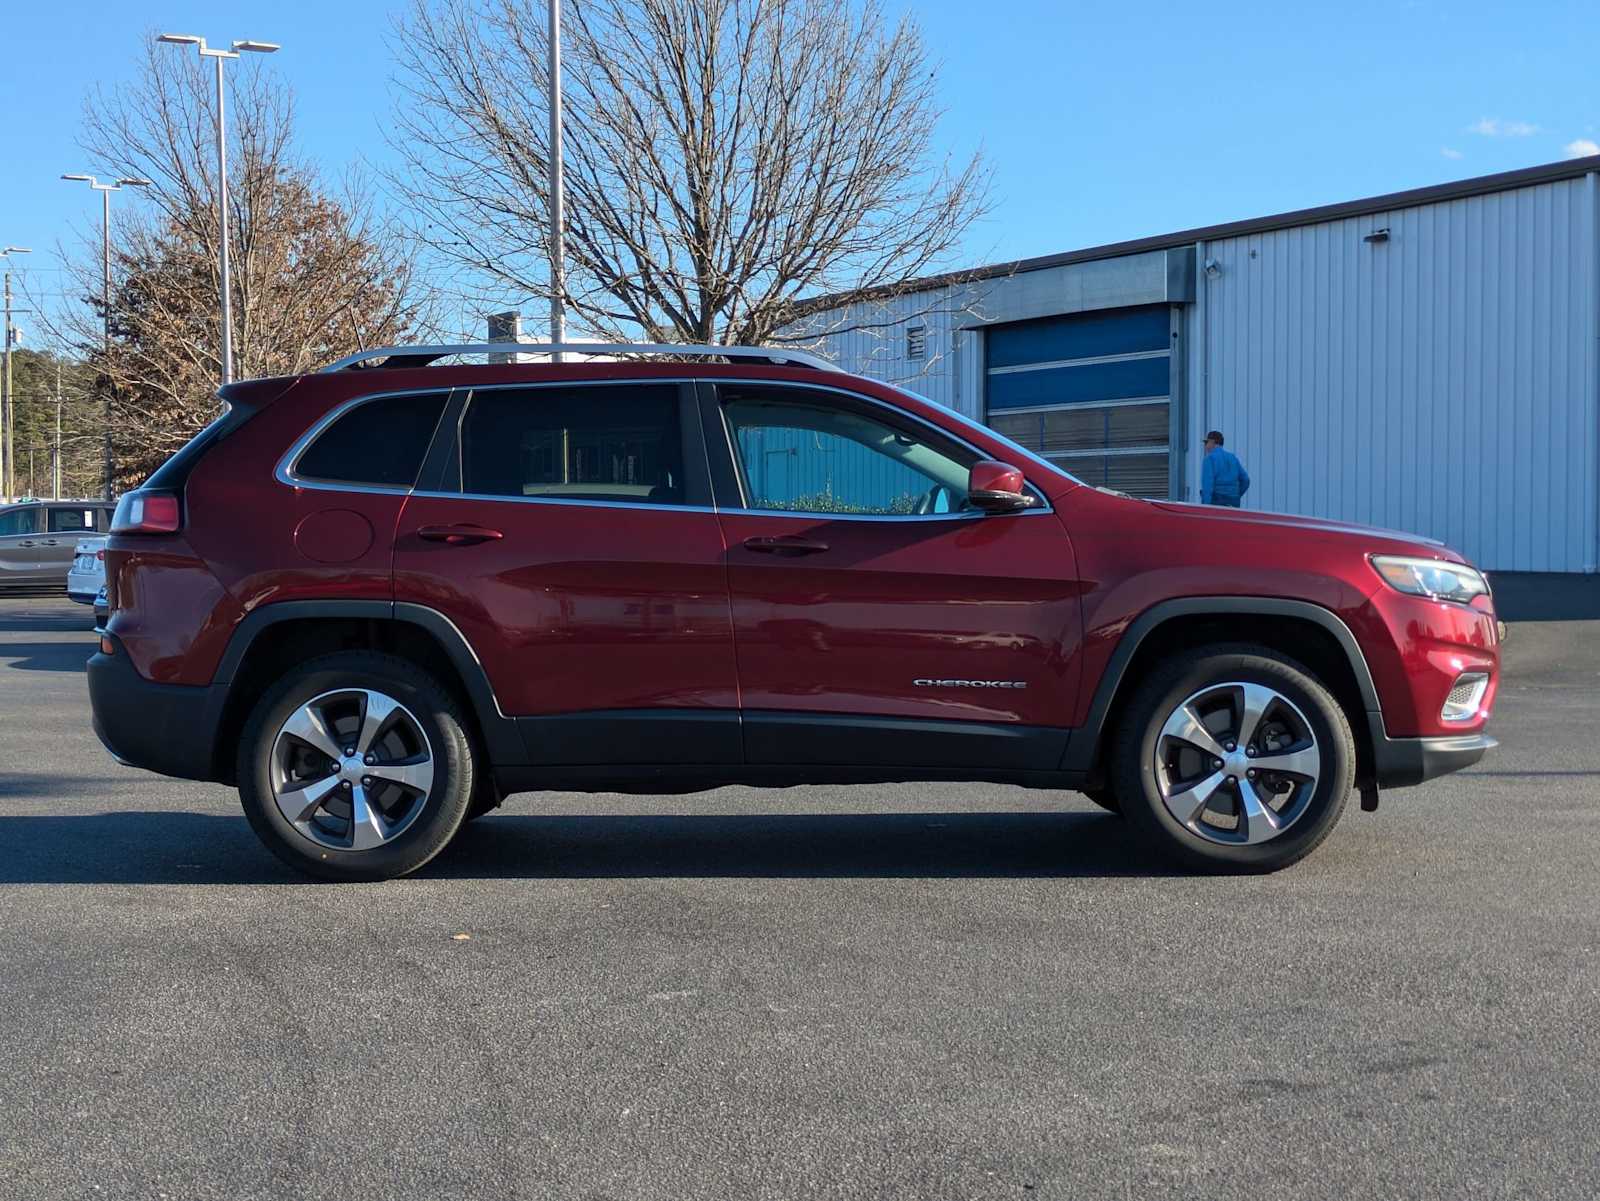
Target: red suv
(382, 597)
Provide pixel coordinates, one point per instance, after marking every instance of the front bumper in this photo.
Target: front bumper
(166, 728)
(1402, 762)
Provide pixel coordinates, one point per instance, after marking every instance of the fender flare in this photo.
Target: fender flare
(501, 737)
(1083, 751)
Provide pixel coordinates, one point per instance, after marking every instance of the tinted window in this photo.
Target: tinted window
(380, 442)
(64, 521)
(20, 521)
(620, 443)
(803, 457)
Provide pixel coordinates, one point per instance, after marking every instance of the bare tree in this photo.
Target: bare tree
(723, 158)
(316, 274)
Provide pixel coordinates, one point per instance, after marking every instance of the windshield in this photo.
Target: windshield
(1021, 451)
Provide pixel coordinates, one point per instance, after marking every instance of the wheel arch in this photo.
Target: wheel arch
(273, 638)
(1307, 632)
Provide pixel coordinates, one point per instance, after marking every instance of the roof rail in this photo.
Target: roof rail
(422, 356)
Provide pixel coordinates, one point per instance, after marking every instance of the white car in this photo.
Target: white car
(86, 579)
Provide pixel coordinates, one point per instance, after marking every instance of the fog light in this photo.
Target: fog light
(1465, 697)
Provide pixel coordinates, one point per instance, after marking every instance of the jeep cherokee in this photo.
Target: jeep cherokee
(382, 597)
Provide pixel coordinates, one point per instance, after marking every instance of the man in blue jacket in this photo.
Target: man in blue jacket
(1223, 479)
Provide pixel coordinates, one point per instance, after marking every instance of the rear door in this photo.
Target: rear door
(567, 530)
(21, 532)
(64, 526)
(879, 622)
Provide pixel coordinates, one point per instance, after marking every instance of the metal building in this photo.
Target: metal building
(1424, 361)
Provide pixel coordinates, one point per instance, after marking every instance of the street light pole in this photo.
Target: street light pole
(105, 190)
(7, 417)
(223, 287)
(558, 255)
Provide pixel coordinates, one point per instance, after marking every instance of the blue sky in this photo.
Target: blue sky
(1102, 121)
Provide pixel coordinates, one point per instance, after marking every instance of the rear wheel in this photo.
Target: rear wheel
(1234, 758)
(356, 766)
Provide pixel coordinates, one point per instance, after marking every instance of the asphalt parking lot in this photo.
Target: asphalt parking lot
(920, 991)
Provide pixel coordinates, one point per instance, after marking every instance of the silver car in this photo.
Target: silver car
(38, 539)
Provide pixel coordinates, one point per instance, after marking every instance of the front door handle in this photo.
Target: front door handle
(458, 535)
(789, 544)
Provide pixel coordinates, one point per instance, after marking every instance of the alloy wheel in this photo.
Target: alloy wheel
(351, 769)
(1237, 763)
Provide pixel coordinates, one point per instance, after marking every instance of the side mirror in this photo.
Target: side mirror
(996, 487)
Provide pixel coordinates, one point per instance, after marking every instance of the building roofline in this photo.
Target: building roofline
(1479, 185)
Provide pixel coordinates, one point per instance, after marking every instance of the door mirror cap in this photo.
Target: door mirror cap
(996, 487)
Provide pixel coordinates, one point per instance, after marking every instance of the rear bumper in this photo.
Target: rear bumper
(1402, 762)
(166, 728)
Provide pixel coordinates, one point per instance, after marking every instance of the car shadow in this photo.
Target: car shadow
(201, 848)
(46, 656)
(65, 618)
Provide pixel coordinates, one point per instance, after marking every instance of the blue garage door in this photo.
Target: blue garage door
(1092, 392)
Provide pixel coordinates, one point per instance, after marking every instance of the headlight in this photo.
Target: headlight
(1432, 578)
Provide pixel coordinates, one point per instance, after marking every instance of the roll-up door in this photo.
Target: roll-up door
(1091, 391)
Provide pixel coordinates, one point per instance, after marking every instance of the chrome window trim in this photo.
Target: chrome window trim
(285, 474)
(566, 502)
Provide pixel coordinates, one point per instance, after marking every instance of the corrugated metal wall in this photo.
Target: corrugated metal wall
(1442, 381)
(871, 340)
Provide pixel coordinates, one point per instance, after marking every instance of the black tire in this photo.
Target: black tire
(1164, 690)
(1105, 798)
(449, 797)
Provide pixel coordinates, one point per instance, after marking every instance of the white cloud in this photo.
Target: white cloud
(1450, 152)
(1582, 148)
(1494, 127)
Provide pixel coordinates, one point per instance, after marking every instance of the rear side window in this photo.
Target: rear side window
(381, 442)
(610, 443)
(64, 521)
(20, 521)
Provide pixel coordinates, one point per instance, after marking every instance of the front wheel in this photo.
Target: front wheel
(356, 766)
(1234, 758)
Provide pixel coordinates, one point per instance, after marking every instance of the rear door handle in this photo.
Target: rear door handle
(789, 544)
(458, 535)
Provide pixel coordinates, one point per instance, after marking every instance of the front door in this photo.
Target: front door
(21, 552)
(878, 621)
(570, 537)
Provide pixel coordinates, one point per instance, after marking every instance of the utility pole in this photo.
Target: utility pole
(558, 221)
(55, 480)
(105, 190)
(8, 335)
(190, 39)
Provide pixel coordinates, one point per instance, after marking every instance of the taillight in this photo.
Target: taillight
(100, 554)
(146, 513)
